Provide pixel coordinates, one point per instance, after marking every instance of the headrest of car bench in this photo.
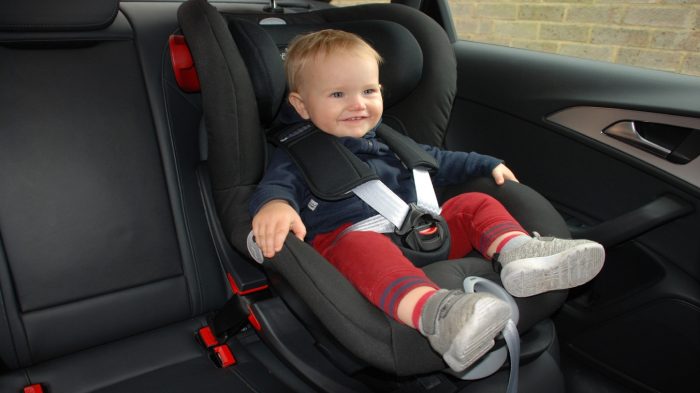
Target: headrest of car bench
(53, 15)
(263, 47)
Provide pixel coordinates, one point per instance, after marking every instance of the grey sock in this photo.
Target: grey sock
(515, 242)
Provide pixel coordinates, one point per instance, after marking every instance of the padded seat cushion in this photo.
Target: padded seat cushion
(64, 15)
(163, 360)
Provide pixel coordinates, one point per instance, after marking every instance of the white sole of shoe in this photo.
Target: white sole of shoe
(567, 269)
(476, 337)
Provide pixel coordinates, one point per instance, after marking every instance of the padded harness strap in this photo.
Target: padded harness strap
(317, 156)
(409, 152)
(330, 169)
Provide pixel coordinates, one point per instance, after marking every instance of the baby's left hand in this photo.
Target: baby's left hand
(501, 173)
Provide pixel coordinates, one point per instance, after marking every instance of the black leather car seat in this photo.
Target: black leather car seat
(107, 265)
(238, 61)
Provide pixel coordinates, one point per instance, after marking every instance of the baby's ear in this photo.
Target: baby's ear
(298, 104)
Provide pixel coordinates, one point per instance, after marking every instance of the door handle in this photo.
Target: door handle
(626, 131)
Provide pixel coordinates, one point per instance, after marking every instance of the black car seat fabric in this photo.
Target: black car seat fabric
(235, 57)
(239, 141)
(107, 268)
(41, 15)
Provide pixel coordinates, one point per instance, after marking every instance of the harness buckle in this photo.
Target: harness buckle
(422, 230)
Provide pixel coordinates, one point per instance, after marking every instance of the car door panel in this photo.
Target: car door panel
(545, 116)
(618, 129)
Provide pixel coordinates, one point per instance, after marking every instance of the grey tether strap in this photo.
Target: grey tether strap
(492, 361)
(510, 334)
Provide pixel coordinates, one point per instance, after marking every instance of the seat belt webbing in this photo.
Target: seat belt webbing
(380, 198)
(392, 209)
(425, 192)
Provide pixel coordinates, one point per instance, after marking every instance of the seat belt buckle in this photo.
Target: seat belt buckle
(428, 230)
(422, 230)
(206, 337)
(220, 353)
(34, 388)
(223, 357)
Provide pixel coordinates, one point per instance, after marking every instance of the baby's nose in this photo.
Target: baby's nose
(358, 103)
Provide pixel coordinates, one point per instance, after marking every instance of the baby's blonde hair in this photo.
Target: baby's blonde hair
(308, 47)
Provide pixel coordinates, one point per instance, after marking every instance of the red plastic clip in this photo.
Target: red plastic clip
(224, 355)
(206, 335)
(236, 291)
(183, 65)
(35, 388)
(254, 320)
(429, 231)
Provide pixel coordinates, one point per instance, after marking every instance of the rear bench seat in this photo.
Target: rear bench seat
(107, 264)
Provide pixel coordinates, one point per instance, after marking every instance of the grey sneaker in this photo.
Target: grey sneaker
(546, 264)
(461, 327)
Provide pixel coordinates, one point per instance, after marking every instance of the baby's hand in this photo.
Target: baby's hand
(501, 173)
(272, 223)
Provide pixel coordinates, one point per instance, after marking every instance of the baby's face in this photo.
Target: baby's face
(340, 94)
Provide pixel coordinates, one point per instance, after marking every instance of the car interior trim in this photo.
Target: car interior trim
(592, 121)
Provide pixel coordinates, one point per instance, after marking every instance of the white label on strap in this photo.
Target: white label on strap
(312, 205)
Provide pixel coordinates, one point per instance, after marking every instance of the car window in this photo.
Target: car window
(657, 34)
(344, 3)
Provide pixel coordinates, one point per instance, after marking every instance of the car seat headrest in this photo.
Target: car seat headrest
(65, 15)
(263, 48)
(264, 64)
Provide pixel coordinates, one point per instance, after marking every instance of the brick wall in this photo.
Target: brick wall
(658, 34)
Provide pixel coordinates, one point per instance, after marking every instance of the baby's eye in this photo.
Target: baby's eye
(369, 92)
(337, 94)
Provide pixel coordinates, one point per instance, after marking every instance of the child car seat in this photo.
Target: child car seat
(239, 65)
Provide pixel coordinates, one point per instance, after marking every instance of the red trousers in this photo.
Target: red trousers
(378, 269)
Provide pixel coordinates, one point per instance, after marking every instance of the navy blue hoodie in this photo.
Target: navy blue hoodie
(283, 180)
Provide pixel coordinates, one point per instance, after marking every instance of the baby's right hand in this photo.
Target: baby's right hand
(273, 222)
